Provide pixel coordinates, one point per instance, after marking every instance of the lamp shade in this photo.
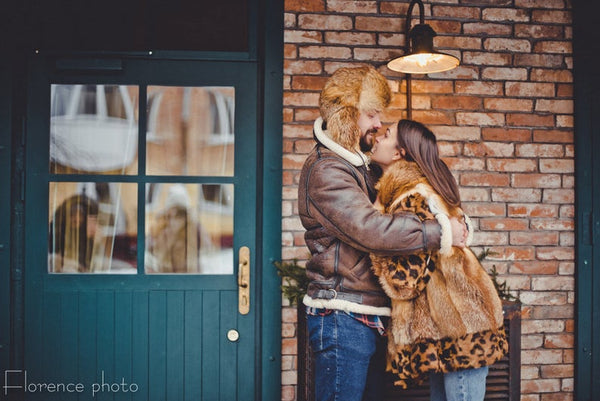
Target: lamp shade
(422, 57)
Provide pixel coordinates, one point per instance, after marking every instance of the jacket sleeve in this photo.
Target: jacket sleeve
(338, 204)
(404, 277)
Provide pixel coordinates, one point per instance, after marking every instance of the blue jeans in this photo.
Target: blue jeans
(349, 358)
(463, 385)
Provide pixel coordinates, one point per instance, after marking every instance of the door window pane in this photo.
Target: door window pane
(92, 227)
(189, 228)
(93, 129)
(190, 131)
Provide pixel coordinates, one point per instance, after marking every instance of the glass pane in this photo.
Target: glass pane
(189, 228)
(190, 131)
(92, 227)
(93, 129)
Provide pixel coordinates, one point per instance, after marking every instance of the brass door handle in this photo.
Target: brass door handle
(244, 280)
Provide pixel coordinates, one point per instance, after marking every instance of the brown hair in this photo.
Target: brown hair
(420, 145)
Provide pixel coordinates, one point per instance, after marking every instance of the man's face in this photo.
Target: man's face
(369, 123)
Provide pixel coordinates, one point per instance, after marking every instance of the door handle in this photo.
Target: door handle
(244, 280)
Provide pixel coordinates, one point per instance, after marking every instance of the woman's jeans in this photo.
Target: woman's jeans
(463, 385)
(349, 358)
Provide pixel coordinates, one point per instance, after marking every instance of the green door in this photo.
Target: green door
(141, 213)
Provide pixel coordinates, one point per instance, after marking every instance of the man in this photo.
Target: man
(344, 300)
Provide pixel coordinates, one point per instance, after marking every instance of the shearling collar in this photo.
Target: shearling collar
(356, 158)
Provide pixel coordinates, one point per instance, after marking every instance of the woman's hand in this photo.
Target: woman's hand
(459, 232)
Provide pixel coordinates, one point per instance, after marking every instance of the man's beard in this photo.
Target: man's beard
(366, 141)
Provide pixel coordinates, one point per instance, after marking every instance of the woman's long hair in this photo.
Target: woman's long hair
(421, 147)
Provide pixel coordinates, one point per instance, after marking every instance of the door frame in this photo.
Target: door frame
(586, 47)
(268, 15)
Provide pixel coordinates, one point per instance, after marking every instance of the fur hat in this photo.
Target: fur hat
(347, 92)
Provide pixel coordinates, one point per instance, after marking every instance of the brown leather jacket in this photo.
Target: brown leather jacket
(343, 227)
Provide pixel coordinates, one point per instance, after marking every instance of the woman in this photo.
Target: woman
(446, 314)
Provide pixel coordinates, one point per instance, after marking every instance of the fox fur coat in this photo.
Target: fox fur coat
(446, 313)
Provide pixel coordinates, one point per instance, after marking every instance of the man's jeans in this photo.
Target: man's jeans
(349, 358)
(463, 385)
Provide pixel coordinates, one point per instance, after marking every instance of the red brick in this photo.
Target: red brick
(551, 16)
(536, 181)
(530, 120)
(554, 312)
(533, 238)
(543, 298)
(479, 119)
(293, 67)
(311, 52)
(352, 6)
(516, 165)
(552, 224)
(504, 73)
(458, 42)
(377, 24)
(557, 166)
(465, 164)
(550, 46)
(464, 13)
(539, 385)
(535, 267)
(484, 179)
(553, 136)
(548, 75)
(486, 29)
(554, 106)
(502, 44)
(529, 89)
(290, 51)
(456, 102)
(486, 58)
(506, 134)
(517, 195)
(508, 104)
(304, 5)
(528, 210)
(559, 341)
(479, 88)
(503, 224)
(350, 38)
(538, 31)
(539, 150)
(555, 253)
(559, 196)
(302, 36)
(539, 60)
(325, 22)
(497, 149)
(505, 14)
(308, 114)
(481, 209)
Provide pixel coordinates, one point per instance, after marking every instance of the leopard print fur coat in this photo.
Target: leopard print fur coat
(446, 313)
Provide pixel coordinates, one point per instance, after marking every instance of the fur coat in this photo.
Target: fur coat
(446, 312)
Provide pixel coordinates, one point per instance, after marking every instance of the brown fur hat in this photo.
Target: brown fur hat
(346, 92)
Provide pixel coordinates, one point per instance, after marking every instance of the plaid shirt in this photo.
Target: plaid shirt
(373, 321)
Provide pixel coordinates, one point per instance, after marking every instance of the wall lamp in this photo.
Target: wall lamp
(420, 57)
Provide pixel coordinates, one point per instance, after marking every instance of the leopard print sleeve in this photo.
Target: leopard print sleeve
(405, 276)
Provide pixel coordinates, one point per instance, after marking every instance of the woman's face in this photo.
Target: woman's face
(385, 150)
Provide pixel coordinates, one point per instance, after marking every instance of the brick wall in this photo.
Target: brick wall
(504, 122)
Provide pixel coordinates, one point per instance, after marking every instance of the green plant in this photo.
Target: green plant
(293, 280)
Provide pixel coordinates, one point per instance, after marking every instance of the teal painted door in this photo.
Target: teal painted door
(141, 190)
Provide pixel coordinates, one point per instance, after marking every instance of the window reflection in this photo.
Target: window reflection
(190, 131)
(92, 228)
(93, 129)
(189, 228)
